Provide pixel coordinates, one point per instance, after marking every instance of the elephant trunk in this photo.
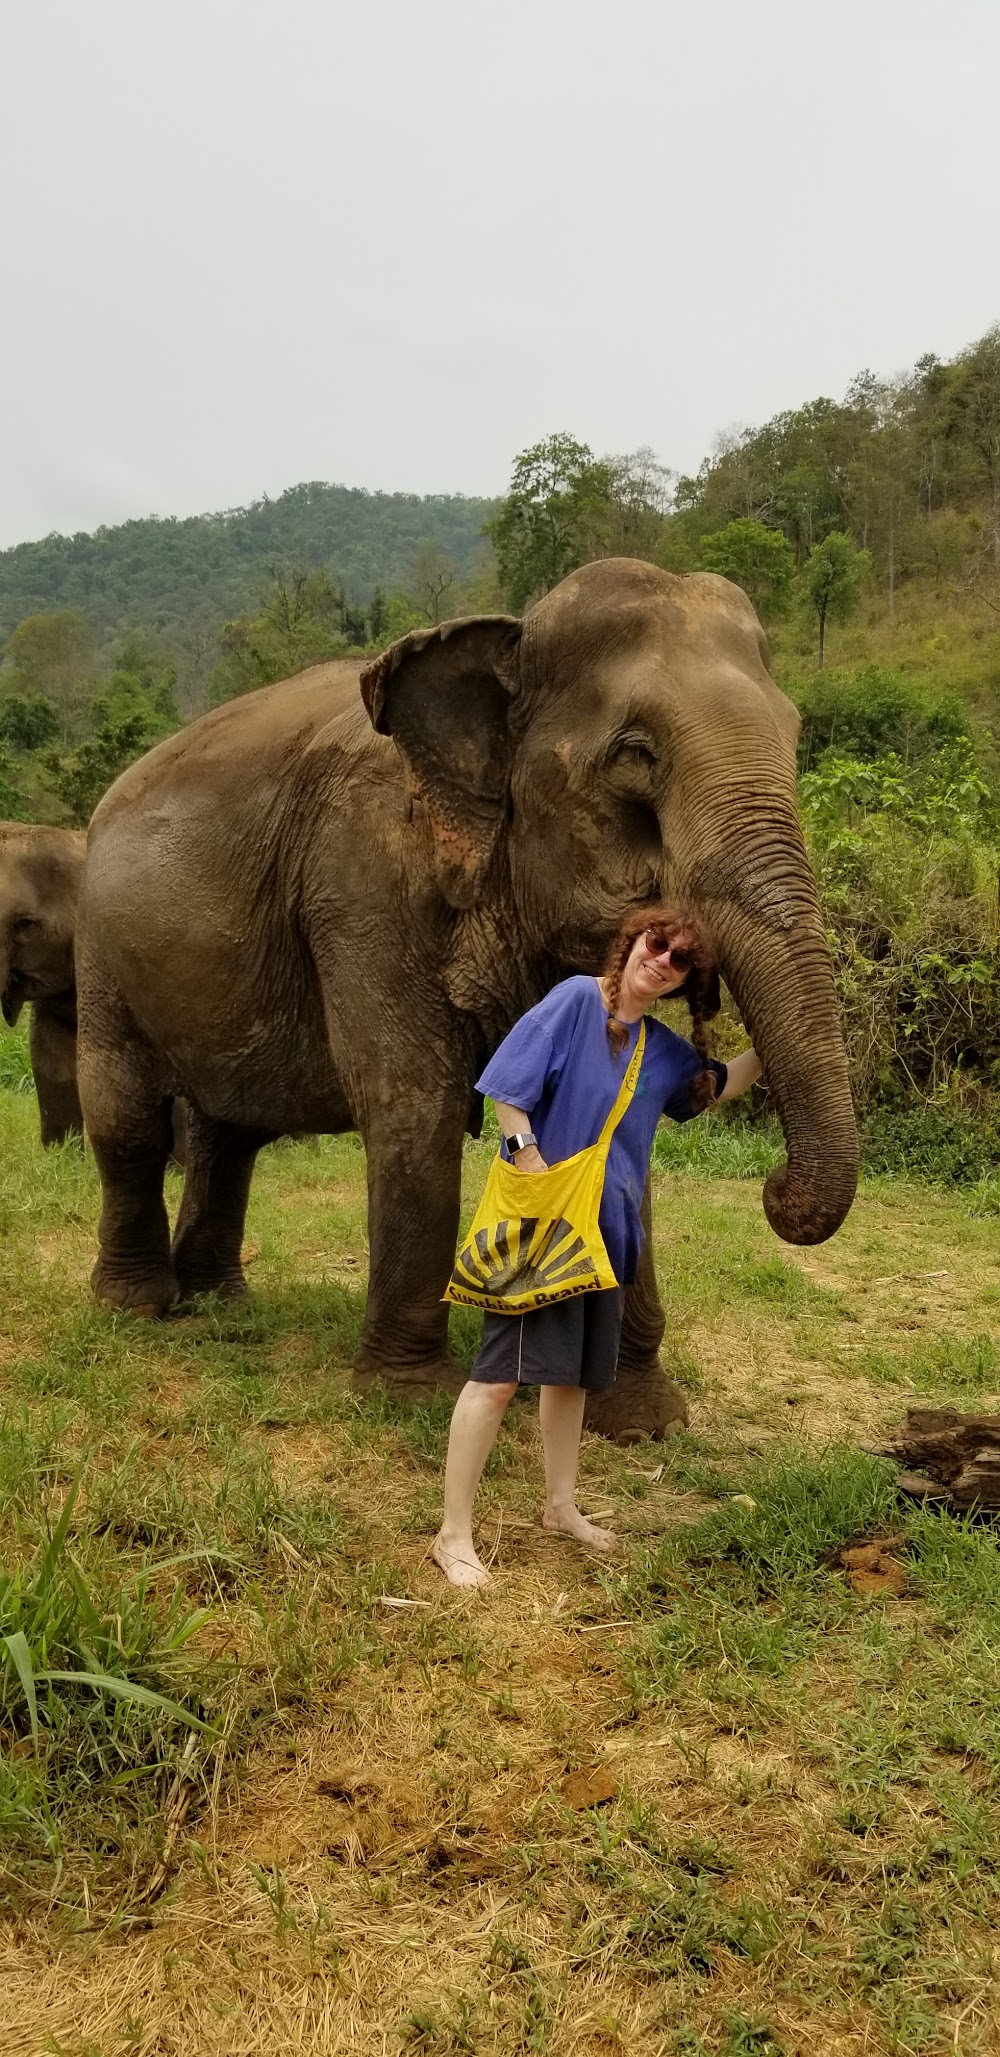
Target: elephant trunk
(773, 953)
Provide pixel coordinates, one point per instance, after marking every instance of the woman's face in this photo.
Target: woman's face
(651, 972)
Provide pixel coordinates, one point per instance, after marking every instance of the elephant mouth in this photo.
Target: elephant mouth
(12, 1000)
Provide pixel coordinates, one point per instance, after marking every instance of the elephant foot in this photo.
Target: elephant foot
(193, 1279)
(147, 1297)
(200, 1269)
(415, 1385)
(642, 1402)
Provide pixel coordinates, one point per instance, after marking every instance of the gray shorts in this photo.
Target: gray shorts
(573, 1343)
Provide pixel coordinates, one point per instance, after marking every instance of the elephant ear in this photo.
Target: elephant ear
(443, 695)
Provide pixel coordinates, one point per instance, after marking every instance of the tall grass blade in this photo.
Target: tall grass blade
(57, 1539)
(124, 1689)
(20, 1657)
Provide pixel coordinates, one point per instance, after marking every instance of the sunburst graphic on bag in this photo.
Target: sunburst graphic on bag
(530, 1254)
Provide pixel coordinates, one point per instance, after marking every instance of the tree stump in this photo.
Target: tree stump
(949, 1457)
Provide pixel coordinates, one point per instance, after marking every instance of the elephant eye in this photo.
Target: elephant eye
(25, 923)
(632, 762)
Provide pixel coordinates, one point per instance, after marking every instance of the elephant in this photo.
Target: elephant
(40, 873)
(322, 907)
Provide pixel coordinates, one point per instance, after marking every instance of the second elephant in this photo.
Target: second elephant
(40, 873)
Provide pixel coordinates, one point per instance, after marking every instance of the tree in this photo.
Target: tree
(431, 576)
(834, 574)
(303, 621)
(27, 720)
(553, 519)
(13, 806)
(975, 408)
(135, 710)
(640, 496)
(79, 778)
(759, 559)
(51, 654)
(378, 615)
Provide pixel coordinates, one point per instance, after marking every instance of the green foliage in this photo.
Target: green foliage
(15, 1062)
(759, 559)
(79, 778)
(50, 654)
(833, 579)
(83, 1666)
(27, 721)
(550, 521)
(168, 575)
(304, 620)
(908, 467)
(906, 860)
(566, 507)
(941, 1141)
(873, 712)
(13, 805)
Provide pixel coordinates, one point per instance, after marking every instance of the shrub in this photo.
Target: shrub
(869, 713)
(906, 860)
(27, 720)
(945, 1144)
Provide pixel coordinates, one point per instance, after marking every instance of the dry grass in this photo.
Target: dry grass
(788, 1844)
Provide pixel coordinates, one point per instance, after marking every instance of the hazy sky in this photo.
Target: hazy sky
(391, 242)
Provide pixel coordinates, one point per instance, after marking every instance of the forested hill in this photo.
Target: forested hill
(166, 575)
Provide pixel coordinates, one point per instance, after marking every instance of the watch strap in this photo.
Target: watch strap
(520, 1142)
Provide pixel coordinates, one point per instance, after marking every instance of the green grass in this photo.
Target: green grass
(801, 1850)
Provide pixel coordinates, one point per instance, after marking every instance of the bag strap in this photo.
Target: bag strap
(625, 1092)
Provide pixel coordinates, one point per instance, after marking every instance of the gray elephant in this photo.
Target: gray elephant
(40, 874)
(321, 908)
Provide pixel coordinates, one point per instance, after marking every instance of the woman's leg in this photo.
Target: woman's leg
(474, 1425)
(560, 1413)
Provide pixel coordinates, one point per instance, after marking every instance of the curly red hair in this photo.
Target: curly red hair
(700, 987)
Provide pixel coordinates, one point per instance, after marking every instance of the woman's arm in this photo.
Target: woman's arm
(741, 1072)
(513, 1121)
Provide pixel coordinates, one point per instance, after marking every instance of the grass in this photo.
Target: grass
(303, 1817)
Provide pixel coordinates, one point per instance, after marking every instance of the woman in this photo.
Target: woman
(553, 1081)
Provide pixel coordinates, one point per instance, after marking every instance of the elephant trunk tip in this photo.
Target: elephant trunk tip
(807, 1208)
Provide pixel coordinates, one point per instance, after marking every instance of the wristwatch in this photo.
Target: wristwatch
(516, 1143)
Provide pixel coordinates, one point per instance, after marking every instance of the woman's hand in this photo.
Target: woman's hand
(516, 1121)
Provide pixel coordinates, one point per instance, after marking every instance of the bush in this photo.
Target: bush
(945, 1144)
(906, 860)
(870, 713)
(27, 721)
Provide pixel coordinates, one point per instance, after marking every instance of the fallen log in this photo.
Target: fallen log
(948, 1457)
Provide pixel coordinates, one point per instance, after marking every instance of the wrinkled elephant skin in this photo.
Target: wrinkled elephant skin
(321, 907)
(40, 874)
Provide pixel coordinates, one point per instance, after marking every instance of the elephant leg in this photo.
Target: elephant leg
(128, 1122)
(414, 1187)
(52, 1048)
(643, 1401)
(208, 1239)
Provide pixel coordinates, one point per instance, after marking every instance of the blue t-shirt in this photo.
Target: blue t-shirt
(558, 1065)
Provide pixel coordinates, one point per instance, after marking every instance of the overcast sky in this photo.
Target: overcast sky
(391, 242)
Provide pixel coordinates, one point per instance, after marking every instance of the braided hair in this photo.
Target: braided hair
(700, 987)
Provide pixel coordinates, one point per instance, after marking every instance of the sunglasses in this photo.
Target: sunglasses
(660, 945)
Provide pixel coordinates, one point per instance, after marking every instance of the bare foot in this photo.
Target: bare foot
(456, 1557)
(568, 1521)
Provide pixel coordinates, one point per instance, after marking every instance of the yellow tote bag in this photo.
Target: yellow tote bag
(535, 1238)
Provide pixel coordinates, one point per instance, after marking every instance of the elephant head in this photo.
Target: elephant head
(625, 742)
(40, 871)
